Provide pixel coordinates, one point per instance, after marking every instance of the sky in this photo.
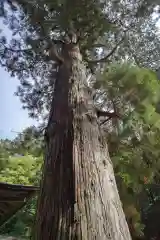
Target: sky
(13, 118)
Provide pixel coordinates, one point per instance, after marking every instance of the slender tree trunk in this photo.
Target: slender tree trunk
(78, 198)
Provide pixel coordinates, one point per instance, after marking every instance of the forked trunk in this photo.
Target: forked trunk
(78, 198)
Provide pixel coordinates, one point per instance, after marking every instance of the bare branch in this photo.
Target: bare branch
(106, 120)
(107, 114)
(104, 59)
(99, 45)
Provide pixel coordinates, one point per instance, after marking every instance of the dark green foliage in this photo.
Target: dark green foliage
(133, 137)
(150, 205)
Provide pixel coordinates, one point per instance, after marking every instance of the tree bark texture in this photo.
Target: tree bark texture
(79, 197)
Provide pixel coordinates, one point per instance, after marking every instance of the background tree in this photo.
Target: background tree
(133, 139)
(21, 165)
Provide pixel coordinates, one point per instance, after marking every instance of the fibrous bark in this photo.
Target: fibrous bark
(79, 197)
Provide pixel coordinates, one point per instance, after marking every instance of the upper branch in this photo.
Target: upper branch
(104, 59)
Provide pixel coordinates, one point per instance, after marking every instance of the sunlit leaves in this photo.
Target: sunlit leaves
(21, 170)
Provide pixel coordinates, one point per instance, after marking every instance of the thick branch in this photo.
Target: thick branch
(52, 49)
(53, 53)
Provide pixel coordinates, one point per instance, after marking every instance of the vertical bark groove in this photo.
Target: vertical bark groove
(79, 199)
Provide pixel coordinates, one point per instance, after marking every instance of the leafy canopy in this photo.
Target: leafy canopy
(110, 31)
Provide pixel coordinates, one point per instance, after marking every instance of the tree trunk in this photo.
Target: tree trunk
(78, 198)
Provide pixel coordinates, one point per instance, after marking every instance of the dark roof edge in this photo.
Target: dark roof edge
(9, 186)
(12, 213)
